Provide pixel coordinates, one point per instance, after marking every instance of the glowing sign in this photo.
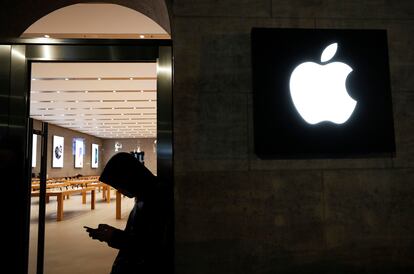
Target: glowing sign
(318, 91)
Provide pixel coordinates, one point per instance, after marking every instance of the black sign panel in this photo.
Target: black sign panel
(321, 93)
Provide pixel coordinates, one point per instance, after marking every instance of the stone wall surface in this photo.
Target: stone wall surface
(236, 213)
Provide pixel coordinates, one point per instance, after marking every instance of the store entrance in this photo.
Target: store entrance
(16, 132)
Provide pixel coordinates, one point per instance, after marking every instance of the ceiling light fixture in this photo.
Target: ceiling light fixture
(142, 36)
(46, 36)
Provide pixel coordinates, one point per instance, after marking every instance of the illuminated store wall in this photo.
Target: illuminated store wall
(68, 168)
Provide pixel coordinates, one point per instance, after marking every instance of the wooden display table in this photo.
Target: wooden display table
(61, 193)
(106, 190)
(51, 185)
(118, 205)
(82, 183)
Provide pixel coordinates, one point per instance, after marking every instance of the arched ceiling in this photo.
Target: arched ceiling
(96, 21)
(107, 100)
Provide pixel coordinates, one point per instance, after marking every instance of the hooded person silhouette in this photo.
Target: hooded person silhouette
(142, 243)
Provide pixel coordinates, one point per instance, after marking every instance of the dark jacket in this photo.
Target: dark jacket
(142, 244)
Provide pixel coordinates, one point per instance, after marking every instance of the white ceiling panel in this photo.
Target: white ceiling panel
(74, 96)
(93, 111)
(93, 85)
(94, 70)
(65, 105)
(107, 100)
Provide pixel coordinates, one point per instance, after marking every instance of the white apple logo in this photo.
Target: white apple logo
(318, 91)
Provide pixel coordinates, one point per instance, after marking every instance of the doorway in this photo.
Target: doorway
(21, 54)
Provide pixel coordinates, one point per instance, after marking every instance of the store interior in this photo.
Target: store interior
(92, 111)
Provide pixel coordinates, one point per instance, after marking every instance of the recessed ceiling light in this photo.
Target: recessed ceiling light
(142, 36)
(131, 78)
(99, 78)
(114, 91)
(86, 91)
(149, 100)
(46, 36)
(33, 79)
(142, 91)
(66, 79)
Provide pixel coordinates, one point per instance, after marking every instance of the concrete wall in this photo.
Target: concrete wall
(128, 145)
(235, 213)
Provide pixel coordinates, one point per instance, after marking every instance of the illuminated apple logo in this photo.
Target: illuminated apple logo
(318, 91)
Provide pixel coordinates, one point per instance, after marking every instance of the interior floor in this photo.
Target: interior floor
(68, 248)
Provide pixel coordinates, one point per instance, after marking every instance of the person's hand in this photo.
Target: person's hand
(103, 233)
